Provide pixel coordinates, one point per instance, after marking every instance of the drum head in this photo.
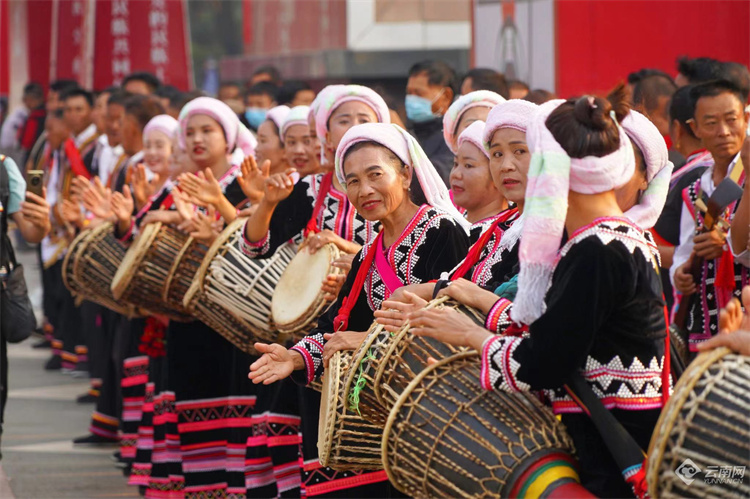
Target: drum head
(133, 259)
(299, 286)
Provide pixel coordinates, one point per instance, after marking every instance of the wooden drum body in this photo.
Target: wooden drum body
(97, 259)
(232, 292)
(298, 300)
(345, 440)
(68, 268)
(146, 271)
(706, 421)
(448, 437)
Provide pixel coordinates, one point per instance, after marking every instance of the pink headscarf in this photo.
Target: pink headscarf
(474, 134)
(334, 96)
(479, 98)
(406, 147)
(163, 123)
(658, 169)
(237, 135)
(278, 115)
(552, 173)
(296, 116)
(515, 114)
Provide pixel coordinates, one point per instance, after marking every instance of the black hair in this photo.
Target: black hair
(143, 108)
(682, 108)
(61, 86)
(225, 84)
(518, 84)
(110, 90)
(148, 78)
(271, 71)
(699, 69)
(118, 97)
(646, 92)
(714, 88)
(263, 88)
(641, 74)
(487, 79)
(34, 89)
(56, 113)
(288, 91)
(585, 127)
(438, 73)
(539, 96)
(167, 91)
(739, 75)
(78, 92)
(179, 100)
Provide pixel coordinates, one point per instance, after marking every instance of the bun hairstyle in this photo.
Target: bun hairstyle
(584, 126)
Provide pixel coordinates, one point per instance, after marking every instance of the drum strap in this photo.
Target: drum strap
(341, 322)
(476, 249)
(325, 187)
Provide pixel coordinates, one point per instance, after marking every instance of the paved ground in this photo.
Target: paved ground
(41, 419)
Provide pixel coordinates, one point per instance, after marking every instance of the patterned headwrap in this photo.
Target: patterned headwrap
(278, 115)
(646, 136)
(334, 96)
(163, 123)
(552, 173)
(515, 114)
(484, 98)
(296, 116)
(406, 147)
(474, 134)
(237, 135)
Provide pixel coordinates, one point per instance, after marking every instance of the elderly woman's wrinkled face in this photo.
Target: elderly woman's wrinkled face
(376, 182)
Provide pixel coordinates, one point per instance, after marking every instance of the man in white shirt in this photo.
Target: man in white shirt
(721, 123)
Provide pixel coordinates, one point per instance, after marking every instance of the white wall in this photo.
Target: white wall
(534, 43)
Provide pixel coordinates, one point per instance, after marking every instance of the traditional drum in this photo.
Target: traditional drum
(448, 437)
(345, 440)
(182, 274)
(148, 268)
(232, 293)
(701, 444)
(386, 363)
(298, 299)
(68, 277)
(94, 264)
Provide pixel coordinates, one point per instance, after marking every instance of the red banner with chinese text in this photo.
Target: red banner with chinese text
(141, 35)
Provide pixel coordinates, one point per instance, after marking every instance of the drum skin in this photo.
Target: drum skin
(707, 420)
(298, 299)
(448, 437)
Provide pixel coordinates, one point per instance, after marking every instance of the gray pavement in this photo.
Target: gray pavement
(41, 419)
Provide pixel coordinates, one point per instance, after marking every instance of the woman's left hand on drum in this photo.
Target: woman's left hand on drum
(341, 340)
(332, 285)
(394, 311)
(275, 364)
(449, 326)
(317, 241)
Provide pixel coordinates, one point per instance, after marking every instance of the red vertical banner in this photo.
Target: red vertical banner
(4, 50)
(39, 39)
(70, 32)
(247, 25)
(141, 35)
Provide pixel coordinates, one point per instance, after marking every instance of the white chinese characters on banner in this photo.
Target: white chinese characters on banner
(158, 21)
(120, 32)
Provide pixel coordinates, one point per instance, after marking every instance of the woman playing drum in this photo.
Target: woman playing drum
(376, 163)
(593, 306)
(492, 262)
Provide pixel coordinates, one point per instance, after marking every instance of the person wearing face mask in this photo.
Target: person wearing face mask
(429, 93)
(259, 99)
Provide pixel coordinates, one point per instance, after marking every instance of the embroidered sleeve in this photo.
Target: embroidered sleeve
(498, 318)
(254, 249)
(311, 349)
(499, 367)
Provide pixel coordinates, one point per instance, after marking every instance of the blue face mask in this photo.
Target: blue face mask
(419, 109)
(255, 116)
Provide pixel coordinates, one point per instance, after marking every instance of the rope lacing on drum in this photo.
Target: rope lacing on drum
(360, 383)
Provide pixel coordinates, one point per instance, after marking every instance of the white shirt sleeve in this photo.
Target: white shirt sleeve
(743, 257)
(683, 250)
